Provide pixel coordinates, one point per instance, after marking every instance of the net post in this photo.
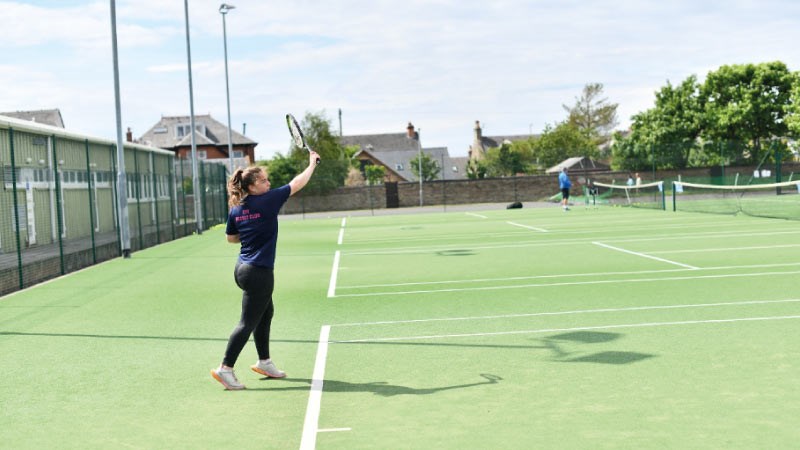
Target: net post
(674, 207)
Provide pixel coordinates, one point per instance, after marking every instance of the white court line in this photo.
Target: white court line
(334, 273)
(611, 247)
(565, 313)
(568, 275)
(562, 330)
(341, 230)
(476, 215)
(528, 227)
(311, 424)
(573, 283)
(728, 249)
(571, 241)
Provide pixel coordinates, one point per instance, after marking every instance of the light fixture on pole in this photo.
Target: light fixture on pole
(223, 9)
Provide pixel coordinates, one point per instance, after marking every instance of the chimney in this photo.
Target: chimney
(478, 132)
(410, 131)
(129, 135)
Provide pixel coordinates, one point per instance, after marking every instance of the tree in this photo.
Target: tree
(593, 114)
(332, 170)
(747, 104)
(374, 173)
(430, 167)
(282, 169)
(563, 141)
(503, 161)
(793, 108)
(666, 135)
(476, 169)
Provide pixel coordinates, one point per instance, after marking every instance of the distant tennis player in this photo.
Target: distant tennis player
(564, 184)
(253, 222)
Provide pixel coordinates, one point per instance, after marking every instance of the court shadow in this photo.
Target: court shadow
(377, 387)
(616, 358)
(586, 337)
(556, 342)
(458, 252)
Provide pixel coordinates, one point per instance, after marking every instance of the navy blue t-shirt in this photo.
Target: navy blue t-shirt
(256, 223)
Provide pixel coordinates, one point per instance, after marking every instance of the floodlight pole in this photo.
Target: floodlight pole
(122, 184)
(198, 213)
(419, 161)
(223, 9)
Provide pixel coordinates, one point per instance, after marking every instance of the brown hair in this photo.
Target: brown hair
(239, 182)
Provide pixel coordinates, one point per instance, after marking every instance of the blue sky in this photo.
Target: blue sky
(441, 64)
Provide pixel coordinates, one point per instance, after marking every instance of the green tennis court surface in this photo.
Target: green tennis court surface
(532, 328)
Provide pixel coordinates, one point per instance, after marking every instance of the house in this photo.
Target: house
(50, 117)
(481, 144)
(395, 151)
(211, 139)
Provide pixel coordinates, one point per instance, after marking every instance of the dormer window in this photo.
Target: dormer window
(399, 166)
(182, 129)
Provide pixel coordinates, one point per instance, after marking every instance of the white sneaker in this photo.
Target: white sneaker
(227, 378)
(267, 369)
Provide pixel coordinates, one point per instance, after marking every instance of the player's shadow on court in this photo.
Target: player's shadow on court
(381, 388)
(557, 343)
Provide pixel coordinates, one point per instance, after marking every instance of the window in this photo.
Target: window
(455, 168)
(182, 129)
(399, 166)
(202, 154)
(238, 154)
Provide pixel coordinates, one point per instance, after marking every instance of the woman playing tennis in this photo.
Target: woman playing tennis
(253, 223)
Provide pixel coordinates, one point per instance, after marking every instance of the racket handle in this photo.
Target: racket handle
(317, 161)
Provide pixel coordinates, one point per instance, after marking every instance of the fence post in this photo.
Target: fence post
(115, 193)
(138, 179)
(172, 194)
(60, 217)
(16, 206)
(91, 203)
(155, 195)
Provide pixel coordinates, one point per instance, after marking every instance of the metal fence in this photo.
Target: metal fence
(58, 208)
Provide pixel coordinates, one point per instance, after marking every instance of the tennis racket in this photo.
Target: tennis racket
(297, 133)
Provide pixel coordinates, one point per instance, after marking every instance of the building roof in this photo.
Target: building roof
(399, 162)
(164, 134)
(496, 141)
(50, 117)
(387, 142)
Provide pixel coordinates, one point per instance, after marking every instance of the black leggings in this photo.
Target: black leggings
(257, 310)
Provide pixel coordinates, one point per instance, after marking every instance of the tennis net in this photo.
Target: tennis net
(650, 195)
(776, 200)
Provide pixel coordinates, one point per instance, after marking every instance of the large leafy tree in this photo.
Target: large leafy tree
(665, 135)
(593, 114)
(747, 104)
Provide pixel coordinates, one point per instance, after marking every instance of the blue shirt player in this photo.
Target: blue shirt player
(564, 184)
